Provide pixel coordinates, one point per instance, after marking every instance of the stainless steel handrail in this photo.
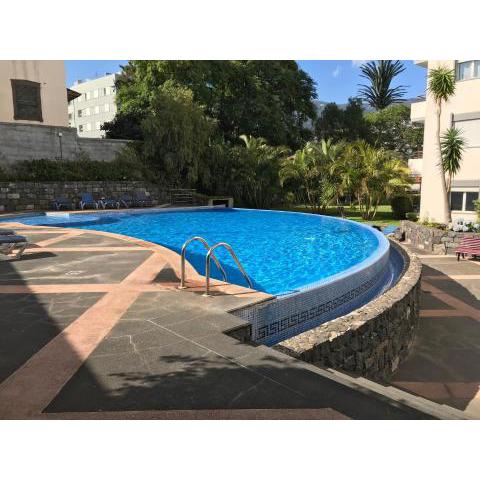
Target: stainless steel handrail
(182, 262)
(211, 255)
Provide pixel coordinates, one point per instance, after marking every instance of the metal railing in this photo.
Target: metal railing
(182, 261)
(210, 255)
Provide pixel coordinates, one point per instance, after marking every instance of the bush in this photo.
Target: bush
(412, 216)
(44, 170)
(401, 204)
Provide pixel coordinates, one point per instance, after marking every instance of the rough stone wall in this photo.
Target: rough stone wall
(372, 340)
(433, 240)
(29, 142)
(39, 195)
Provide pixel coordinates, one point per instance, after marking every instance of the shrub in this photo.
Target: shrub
(477, 208)
(401, 204)
(412, 216)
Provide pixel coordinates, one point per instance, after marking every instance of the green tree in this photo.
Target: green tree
(373, 175)
(441, 85)
(392, 129)
(378, 93)
(269, 99)
(453, 145)
(176, 135)
(257, 175)
(338, 124)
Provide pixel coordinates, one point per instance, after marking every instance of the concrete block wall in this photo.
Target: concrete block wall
(28, 142)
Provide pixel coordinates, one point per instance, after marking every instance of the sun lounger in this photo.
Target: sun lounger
(109, 203)
(126, 201)
(141, 199)
(88, 201)
(62, 202)
(468, 246)
(8, 243)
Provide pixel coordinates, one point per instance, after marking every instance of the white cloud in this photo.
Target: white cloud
(337, 71)
(358, 63)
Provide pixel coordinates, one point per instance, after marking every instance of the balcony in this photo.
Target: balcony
(417, 111)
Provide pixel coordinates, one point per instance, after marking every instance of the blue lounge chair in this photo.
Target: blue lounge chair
(141, 199)
(9, 242)
(126, 201)
(88, 201)
(62, 202)
(109, 203)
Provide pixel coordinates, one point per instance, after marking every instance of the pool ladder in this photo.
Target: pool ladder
(210, 256)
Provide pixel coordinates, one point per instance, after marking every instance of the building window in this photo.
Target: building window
(27, 103)
(470, 130)
(468, 70)
(107, 107)
(70, 116)
(463, 201)
(79, 113)
(80, 128)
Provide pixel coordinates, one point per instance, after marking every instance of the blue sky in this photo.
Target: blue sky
(336, 79)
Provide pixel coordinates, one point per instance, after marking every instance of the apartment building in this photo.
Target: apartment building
(95, 105)
(463, 112)
(33, 92)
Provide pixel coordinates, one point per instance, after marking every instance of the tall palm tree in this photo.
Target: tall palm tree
(379, 94)
(441, 85)
(453, 145)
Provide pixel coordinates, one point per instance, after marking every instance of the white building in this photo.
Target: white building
(461, 111)
(95, 106)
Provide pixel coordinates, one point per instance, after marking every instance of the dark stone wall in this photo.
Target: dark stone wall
(432, 240)
(16, 196)
(372, 340)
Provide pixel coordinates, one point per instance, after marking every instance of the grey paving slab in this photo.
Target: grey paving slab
(451, 268)
(91, 240)
(38, 237)
(28, 322)
(70, 267)
(430, 302)
(445, 350)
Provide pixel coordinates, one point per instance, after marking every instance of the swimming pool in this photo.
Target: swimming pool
(304, 260)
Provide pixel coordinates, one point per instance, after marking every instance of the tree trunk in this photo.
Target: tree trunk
(446, 214)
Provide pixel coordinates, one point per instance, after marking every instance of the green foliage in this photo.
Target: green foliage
(257, 174)
(176, 135)
(412, 216)
(401, 205)
(477, 208)
(441, 83)
(378, 93)
(338, 124)
(452, 146)
(392, 129)
(269, 99)
(81, 169)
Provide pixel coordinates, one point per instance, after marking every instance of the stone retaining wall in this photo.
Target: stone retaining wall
(29, 142)
(372, 340)
(433, 240)
(15, 196)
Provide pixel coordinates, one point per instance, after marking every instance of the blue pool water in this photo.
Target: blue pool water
(282, 252)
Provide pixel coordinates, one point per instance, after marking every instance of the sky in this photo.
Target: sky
(336, 80)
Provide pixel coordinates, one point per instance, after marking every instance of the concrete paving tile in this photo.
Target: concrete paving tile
(71, 267)
(29, 322)
(91, 240)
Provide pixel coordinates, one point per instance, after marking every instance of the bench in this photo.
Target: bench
(468, 246)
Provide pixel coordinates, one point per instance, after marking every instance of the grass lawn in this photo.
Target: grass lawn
(384, 214)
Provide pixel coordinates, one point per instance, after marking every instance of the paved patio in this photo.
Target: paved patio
(444, 364)
(93, 326)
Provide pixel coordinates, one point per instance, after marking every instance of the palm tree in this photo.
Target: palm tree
(453, 145)
(377, 174)
(258, 172)
(380, 74)
(441, 85)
